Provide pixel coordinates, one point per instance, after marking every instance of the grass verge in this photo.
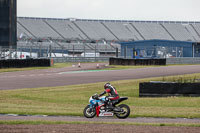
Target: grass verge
(71, 100)
(61, 65)
(56, 65)
(86, 122)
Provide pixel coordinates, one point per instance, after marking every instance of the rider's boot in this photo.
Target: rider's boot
(110, 107)
(113, 108)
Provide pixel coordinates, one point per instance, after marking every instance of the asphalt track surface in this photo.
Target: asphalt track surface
(85, 74)
(100, 128)
(100, 119)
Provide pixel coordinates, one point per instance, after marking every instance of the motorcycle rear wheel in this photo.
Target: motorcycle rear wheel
(125, 113)
(88, 113)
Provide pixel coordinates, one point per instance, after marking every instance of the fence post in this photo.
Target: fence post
(193, 50)
(84, 53)
(31, 51)
(117, 52)
(20, 53)
(125, 48)
(15, 53)
(73, 54)
(50, 50)
(95, 52)
(0, 52)
(62, 51)
(39, 51)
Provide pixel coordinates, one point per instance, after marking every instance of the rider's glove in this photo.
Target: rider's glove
(107, 99)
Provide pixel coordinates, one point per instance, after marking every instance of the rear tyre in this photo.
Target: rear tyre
(125, 111)
(89, 112)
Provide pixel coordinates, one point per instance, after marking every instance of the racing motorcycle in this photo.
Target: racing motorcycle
(98, 107)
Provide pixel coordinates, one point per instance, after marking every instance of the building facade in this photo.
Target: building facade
(159, 49)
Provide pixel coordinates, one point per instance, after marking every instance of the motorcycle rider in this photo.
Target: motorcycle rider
(113, 95)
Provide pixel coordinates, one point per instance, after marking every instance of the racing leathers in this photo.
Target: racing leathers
(113, 95)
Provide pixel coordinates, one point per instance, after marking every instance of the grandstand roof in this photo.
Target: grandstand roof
(155, 40)
(106, 30)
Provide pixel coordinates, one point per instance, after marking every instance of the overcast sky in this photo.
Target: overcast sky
(167, 10)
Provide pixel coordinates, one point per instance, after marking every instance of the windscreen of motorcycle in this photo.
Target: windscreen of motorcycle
(103, 98)
(91, 100)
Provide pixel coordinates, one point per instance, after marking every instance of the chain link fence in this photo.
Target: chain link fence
(72, 53)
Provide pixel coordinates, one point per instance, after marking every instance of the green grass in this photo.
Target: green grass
(86, 122)
(61, 65)
(56, 65)
(68, 64)
(71, 100)
(118, 67)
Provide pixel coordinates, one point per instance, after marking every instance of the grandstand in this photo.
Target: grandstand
(108, 30)
(102, 36)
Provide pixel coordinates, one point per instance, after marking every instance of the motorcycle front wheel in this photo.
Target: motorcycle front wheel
(89, 112)
(125, 111)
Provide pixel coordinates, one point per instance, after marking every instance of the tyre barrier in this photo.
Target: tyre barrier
(165, 89)
(121, 61)
(21, 63)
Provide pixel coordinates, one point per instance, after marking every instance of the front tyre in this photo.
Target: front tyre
(125, 111)
(89, 112)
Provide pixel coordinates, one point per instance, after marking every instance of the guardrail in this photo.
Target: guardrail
(20, 63)
(164, 89)
(122, 61)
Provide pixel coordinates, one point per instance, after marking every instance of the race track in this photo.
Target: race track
(89, 74)
(100, 128)
(85, 74)
(100, 119)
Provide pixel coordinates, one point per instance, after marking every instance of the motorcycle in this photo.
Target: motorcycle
(98, 107)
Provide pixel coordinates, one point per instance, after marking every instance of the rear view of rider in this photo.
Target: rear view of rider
(113, 95)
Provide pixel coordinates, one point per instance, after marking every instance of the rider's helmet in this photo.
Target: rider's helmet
(106, 85)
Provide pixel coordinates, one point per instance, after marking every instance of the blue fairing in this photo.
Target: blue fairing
(96, 102)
